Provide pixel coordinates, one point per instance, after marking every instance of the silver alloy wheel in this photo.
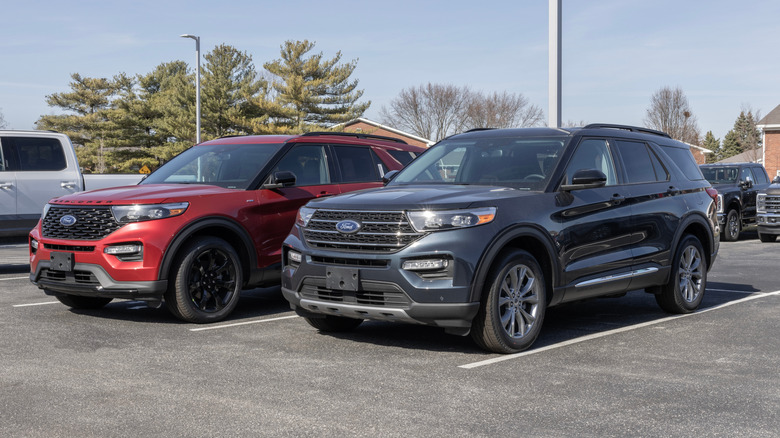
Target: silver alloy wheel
(518, 301)
(691, 274)
(733, 226)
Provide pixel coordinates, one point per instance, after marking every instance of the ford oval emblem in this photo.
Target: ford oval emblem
(348, 226)
(68, 220)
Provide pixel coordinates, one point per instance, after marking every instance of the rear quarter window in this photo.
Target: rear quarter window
(683, 158)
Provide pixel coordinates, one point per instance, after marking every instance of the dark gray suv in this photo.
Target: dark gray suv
(487, 229)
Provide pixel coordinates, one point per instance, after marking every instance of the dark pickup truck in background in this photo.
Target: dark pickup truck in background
(738, 185)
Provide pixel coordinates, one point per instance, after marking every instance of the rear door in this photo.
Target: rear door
(8, 188)
(358, 167)
(658, 205)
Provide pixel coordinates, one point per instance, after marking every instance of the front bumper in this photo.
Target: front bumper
(93, 281)
(375, 286)
(768, 223)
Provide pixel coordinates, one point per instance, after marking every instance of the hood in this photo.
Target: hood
(420, 196)
(142, 194)
(773, 189)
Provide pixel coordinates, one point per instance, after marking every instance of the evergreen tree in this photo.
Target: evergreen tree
(730, 146)
(230, 88)
(744, 137)
(713, 144)
(312, 93)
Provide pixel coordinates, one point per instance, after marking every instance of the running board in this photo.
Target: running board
(615, 277)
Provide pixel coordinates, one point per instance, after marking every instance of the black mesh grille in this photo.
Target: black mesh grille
(773, 203)
(379, 232)
(92, 223)
(371, 294)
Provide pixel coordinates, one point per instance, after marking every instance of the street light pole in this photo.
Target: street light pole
(555, 65)
(197, 85)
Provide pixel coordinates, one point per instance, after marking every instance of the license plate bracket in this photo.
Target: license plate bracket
(62, 261)
(342, 278)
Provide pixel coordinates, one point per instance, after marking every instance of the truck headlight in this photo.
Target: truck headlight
(761, 203)
(125, 214)
(432, 220)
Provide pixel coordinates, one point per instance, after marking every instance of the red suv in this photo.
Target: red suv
(204, 226)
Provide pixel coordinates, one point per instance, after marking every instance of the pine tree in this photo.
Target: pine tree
(312, 93)
(730, 146)
(713, 144)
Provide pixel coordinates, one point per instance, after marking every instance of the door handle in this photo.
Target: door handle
(673, 191)
(6, 185)
(67, 184)
(618, 199)
(324, 194)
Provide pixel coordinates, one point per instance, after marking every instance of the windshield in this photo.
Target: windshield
(721, 175)
(233, 166)
(523, 163)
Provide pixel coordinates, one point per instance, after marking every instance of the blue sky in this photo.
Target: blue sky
(616, 54)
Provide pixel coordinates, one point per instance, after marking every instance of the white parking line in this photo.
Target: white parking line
(35, 304)
(214, 327)
(612, 332)
(14, 278)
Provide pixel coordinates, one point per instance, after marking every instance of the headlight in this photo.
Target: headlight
(432, 220)
(720, 203)
(304, 214)
(45, 210)
(146, 212)
(761, 203)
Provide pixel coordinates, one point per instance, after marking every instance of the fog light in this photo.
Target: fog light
(425, 265)
(34, 244)
(123, 249)
(294, 256)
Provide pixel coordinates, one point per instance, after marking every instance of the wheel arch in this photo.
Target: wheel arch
(225, 229)
(528, 238)
(696, 225)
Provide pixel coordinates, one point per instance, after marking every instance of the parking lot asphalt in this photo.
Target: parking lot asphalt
(604, 367)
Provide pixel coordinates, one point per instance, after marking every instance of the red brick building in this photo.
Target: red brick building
(699, 153)
(770, 126)
(370, 127)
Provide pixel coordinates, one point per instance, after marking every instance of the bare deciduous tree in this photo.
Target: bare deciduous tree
(670, 112)
(434, 111)
(501, 110)
(431, 111)
(2, 120)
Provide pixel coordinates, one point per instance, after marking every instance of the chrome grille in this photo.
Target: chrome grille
(381, 231)
(92, 223)
(772, 204)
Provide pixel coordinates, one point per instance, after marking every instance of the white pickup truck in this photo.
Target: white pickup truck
(36, 166)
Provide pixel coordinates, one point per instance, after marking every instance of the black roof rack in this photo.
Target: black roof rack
(479, 129)
(354, 134)
(627, 128)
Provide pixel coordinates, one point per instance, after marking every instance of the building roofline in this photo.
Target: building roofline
(387, 128)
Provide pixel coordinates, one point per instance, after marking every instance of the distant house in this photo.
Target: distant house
(371, 127)
(770, 126)
(699, 153)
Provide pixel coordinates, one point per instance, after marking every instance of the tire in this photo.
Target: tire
(732, 227)
(767, 238)
(207, 281)
(334, 323)
(513, 304)
(79, 302)
(685, 289)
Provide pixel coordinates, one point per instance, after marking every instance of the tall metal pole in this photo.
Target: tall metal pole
(555, 64)
(197, 85)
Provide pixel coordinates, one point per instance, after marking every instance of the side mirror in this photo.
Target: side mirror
(747, 183)
(389, 176)
(586, 179)
(282, 178)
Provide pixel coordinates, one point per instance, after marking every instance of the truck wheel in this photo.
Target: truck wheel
(207, 281)
(513, 305)
(79, 302)
(732, 226)
(767, 238)
(334, 323)
(685, 289)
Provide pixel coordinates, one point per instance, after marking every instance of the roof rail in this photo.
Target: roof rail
(354, 134)
(627, 128)
(479, 129)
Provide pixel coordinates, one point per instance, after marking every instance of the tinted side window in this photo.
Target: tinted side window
(308, 163)
(592, 154)
(3, 159)
(761, 176)
(356, 163)
(639, 162)
(403, 157)
(684, 160)
(37, 153)
(745, 174)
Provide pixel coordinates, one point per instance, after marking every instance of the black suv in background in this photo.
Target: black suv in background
(487, 229)
(737, 185)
